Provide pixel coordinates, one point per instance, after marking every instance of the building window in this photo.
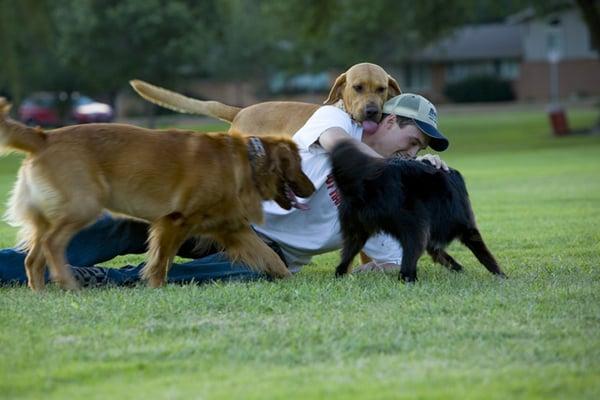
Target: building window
(459, 71)
(416, 77)
(505, 69)
(508, 69)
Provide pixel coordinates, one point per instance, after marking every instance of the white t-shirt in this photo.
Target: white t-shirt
(302, 234)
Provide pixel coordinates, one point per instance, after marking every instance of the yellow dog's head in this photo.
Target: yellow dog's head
(363, 89)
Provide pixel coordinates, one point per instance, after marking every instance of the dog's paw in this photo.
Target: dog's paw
(407, 278)
(68, 283)
(279, 273)
(340, 271)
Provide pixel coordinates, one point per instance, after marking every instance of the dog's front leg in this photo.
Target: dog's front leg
(354, 238)
(166, 236)
(245, 246)
(354, 241)
(413, 246)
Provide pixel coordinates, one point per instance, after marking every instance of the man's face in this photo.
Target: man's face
(390, 139)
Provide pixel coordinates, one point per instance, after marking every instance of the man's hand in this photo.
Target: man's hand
(375, 267)
(434, 160)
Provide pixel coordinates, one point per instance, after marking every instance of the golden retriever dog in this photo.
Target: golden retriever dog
(183, 183)
(360, 91)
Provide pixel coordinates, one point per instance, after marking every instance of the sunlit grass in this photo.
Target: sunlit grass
(468, 335)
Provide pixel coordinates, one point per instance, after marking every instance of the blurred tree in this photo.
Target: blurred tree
(109, 42)
(319, 34)
(27, 35)
(98, 45)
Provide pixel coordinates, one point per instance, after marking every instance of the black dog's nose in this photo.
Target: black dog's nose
(371, 112)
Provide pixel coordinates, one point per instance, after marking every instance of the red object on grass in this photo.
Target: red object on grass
(558, 121)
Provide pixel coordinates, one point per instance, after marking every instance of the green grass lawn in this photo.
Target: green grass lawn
(468, 335)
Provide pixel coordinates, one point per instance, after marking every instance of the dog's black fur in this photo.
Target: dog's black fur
(422, 207)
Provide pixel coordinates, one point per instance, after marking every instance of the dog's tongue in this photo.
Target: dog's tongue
(294, 200)
(369, 127)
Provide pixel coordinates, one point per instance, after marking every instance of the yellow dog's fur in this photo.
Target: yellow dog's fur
(361, 87)
(183, 183)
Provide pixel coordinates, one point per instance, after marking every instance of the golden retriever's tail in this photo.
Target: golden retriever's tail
(180, 103)
(16, 136)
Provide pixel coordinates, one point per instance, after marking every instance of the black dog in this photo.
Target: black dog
(422, 207)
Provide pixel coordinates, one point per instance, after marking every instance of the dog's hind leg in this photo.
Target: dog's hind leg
(441, 257)
(35, 262)
(473, 240)
(54, 245)
(166, 236)
(35, 266)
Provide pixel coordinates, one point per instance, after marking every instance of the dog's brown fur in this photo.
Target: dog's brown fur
(184, 183)
(363, 89)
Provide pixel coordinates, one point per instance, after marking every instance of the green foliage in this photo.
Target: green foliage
(109, 42)
(450, 336)
(483, 88)
(26, 36)
(98, 45)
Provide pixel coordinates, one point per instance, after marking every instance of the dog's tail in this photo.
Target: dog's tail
(16, 136)
(352, 169)
(180, 103)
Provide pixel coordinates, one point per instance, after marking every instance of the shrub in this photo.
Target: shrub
(480, 89)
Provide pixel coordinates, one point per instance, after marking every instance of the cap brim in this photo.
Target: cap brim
(437, 141)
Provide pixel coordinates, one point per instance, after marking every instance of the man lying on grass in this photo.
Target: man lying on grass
(409, 125)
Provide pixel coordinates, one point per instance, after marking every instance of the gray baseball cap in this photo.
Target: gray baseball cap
(423, 112)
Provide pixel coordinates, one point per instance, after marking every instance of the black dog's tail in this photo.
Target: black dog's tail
(352, 168)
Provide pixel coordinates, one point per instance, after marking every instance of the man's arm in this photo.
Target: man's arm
(332, 136)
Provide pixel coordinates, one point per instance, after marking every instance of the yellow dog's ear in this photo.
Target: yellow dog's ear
(336, 91)
(393, 88)
(4, 106)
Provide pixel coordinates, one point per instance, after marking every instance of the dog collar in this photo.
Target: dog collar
(257, 157)
(340, 104)
(256, 151)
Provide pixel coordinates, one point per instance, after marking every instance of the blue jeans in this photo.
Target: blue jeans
(110, 237)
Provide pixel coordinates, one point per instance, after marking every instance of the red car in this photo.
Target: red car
(43, 109)
(39, 109)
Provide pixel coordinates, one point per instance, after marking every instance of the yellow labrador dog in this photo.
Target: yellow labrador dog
(361, 91)
(183, 183)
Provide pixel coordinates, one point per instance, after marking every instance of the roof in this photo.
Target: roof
(477, 42)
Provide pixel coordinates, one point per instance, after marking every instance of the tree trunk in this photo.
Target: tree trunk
(590, 10)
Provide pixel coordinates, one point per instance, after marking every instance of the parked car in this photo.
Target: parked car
(85, 110)
(40, 109)
(52, 109)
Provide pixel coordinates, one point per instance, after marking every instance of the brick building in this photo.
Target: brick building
(518, 50)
